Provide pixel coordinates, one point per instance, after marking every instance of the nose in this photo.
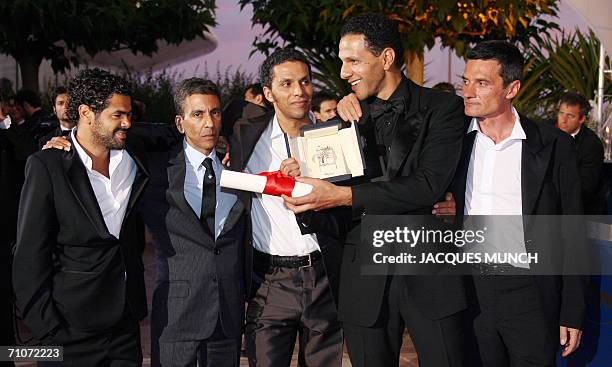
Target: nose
(126, 122)
(298, 90)
(468, 90)
(345, 71)
(207, 120)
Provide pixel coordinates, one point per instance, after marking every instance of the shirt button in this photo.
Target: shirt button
(389, 149)
(217, 251)
(388, 123)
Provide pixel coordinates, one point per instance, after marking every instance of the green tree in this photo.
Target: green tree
(314, 27)
(567, 63)
(35, 30)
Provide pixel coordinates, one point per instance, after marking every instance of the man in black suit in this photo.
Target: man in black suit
(512, 166)
(573, 111)
(78, 272)
(60, 109)
(295, 273)
(414, 133)
(199, 236)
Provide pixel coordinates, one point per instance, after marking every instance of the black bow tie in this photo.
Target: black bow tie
(380, 107)
(65, 132)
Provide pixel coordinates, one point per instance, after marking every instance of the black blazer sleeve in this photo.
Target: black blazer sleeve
(33, 262)
(589, 165)
(573, 292)
(432, 175)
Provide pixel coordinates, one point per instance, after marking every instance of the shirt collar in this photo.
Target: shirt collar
(116, 155)
(277, 131)
(517, 131)
(195, 157)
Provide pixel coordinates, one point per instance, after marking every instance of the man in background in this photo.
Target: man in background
(571, 118)
(324, 106)
(60, 109)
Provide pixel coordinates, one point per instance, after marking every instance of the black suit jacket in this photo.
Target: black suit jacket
(68, 270)
(550, 186)
(420, 167)
(198, 280)
(246, 134)
(590, 155)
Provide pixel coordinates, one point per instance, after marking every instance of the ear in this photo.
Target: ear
(388, 58)
(178, 120)
(85, 113)
(259, 99)
(513, 89)
(268, 94)
(317, 115)
(582, 120)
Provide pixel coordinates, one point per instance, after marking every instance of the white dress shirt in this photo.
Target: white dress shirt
(275, 229)
(493, 188)
(194, 177)
(112, 193)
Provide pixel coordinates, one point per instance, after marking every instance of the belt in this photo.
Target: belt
(497, 269)
(287, 261)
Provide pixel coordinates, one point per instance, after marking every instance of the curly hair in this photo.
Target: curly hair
(379, 33)
(278, 57)
(193, 86)
(575, 99)
(94, 88)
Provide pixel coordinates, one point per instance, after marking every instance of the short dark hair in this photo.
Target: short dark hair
(507, 54)
(60, 89)
(280, 56)
(379, 33)
(576, 99)
(255, 88)
(94, 88)
(319, 98)
(29, 96)
(445, 86)
(193, 86)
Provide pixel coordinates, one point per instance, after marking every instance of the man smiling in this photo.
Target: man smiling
(77, 273)
(415, 134)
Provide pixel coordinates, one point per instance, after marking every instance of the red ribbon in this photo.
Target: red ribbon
(278, 184)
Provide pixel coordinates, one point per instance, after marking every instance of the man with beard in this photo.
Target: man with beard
(60, 109)
(77, 272)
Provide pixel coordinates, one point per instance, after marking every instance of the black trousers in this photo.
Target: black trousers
(118, 346)
(438, 343)
(510, 324)
(289, 303)
(216, 351)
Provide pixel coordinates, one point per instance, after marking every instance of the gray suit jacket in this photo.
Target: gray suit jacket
(198, 280)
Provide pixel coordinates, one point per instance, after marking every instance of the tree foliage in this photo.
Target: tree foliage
(314, 26)
(33, 30)
(567, 63)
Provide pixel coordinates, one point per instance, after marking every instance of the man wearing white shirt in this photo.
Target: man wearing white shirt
(515, 167)
(295, 275)
(77, 271)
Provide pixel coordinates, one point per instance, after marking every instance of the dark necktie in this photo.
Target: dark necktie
(209, 197)
(65, 132)
(380, 107)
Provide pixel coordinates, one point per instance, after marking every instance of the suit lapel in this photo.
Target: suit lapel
(140, 182)
(233, 217)
(534, 162)
(82, 190)
(460, 181)
(176, 186)
(408, 127)
(249, 135)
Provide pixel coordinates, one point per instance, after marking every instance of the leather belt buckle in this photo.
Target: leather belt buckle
(307, 265)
